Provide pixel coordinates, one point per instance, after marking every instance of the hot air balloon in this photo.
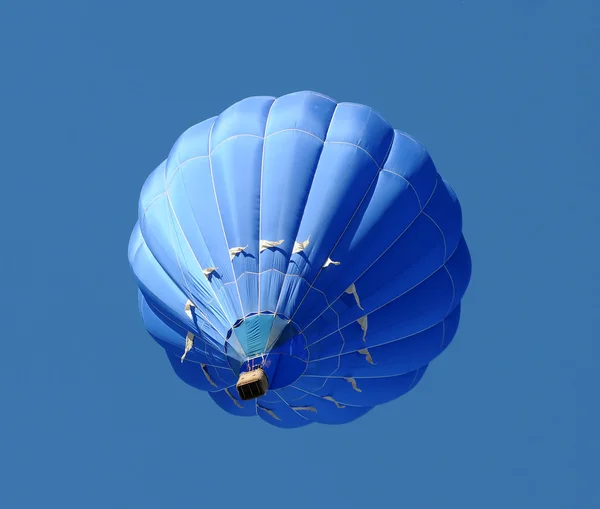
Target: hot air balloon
(299, 259)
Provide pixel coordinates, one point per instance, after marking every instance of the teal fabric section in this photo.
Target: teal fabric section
(253, 334)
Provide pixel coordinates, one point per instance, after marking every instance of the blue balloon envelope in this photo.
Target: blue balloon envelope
(305, 243)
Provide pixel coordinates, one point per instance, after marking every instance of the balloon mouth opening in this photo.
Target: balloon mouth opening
(252, 384)
(257, 334)
(266, 352)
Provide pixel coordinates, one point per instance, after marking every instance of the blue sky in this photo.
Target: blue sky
(505, 96)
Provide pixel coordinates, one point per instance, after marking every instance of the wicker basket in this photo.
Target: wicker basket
(252, 384)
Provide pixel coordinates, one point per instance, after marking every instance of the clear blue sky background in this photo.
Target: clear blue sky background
(504, 93)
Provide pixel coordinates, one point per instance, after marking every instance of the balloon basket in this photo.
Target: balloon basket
(252, 384)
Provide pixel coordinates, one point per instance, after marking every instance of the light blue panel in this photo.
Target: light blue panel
(167, 298)
(192, 145)
(172, 337)
(236, 169)
(290, 162)
(208, 236)
(247, 117)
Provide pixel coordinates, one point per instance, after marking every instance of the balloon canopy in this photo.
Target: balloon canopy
(299, 259)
